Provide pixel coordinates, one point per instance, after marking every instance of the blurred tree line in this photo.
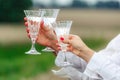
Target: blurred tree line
(82, 4)
(110, 4)
(99, 4)
(12, 10)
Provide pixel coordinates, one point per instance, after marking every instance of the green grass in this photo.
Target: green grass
(15, 64)
(95, 43)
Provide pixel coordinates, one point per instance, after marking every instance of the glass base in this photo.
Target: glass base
(33, 52)
(47, 49)
(61, 73)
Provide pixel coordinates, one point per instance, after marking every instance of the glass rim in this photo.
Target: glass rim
(50, 12)
(27, 12)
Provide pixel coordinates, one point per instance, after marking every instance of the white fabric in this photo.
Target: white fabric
(104, 65)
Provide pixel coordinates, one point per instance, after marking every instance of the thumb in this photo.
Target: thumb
(66, 41)
(44, 27)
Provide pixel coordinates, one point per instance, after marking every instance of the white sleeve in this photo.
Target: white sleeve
(102, 65)
(77, 75)
(106, 63)
(77, 62)
(72, 74)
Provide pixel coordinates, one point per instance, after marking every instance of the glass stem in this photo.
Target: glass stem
(65, 56)
(33, 46)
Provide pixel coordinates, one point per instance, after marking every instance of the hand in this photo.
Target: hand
(78, 47)
(46, 35)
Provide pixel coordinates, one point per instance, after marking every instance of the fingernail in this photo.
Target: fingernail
(31, 22)
(61, 38)
(59, 48)
(57, 45)
(25, 19)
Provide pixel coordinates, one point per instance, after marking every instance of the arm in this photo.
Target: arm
(103, 65)
(78, 47)
(107, 62)
(47, 37)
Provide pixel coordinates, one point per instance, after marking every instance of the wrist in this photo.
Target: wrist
(85, 53)
(53, 45)
(88, 53)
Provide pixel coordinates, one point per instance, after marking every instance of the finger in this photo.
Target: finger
(31, 22)
(61, 38)
(54, 32)
(42, 24)
(71, 36)
(25, 18)
(69, 48)
(36, 39)
(28, 35)
(59, 48)
(66, 41)
(68, 45)
(45, 27)
(27, 30)
(57, 44)
(68, 38)
(34, 22)
(26, 24)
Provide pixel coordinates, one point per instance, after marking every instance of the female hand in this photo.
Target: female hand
(46, 35)
(78, 47)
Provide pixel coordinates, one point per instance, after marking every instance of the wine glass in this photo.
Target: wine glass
(49, 17)
(33, 18)
(62, 28)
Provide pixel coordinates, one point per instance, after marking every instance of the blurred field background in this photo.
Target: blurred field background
(95, 26)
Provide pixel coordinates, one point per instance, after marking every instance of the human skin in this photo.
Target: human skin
(78, 47)
(47, 37)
